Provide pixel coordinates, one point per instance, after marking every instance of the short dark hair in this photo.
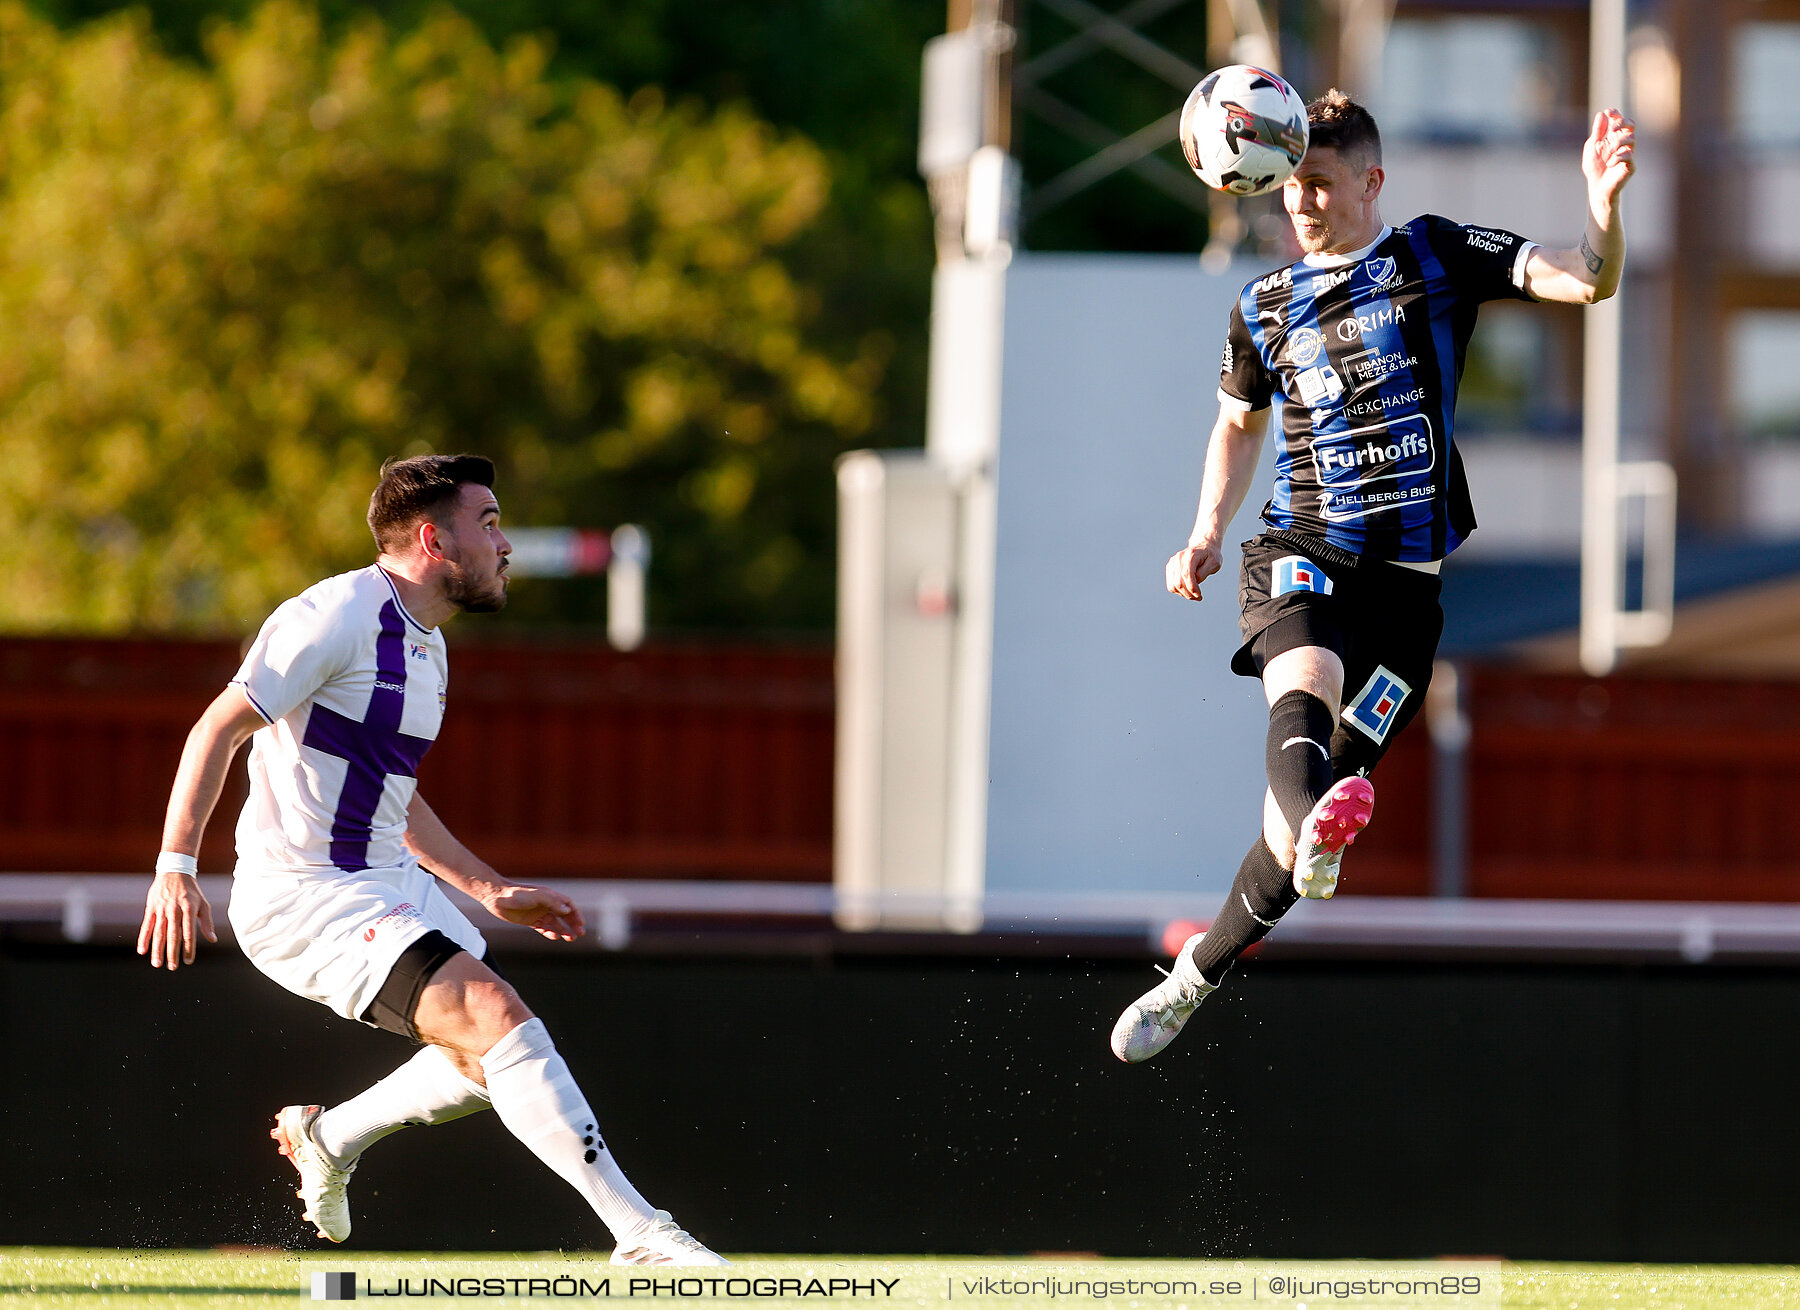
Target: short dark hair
(417, 488)
(1338, 123)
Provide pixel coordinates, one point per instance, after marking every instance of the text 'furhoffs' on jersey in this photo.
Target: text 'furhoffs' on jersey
(1365, 352)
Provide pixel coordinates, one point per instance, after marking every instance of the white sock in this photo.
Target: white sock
(427, 1089)
(540, 1105)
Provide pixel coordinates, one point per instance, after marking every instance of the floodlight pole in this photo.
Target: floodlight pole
(1606, 484)
(1602, 542)
(962, 420)
(918, 539)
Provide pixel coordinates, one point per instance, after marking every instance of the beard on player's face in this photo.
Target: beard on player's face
(470, 594)
(1312, 226)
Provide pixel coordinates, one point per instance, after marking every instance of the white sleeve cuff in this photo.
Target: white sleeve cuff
(244, 686)
(1518, 272)
(1229, 401)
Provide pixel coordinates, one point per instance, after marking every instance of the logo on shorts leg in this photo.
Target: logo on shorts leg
(1297, 573)
(401, 913)
(1375, 707)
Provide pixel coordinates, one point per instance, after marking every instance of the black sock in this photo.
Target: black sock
(1298, 756)
(1261, 893)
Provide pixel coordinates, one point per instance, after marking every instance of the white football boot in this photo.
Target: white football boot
(1151, 1022)
(324, 1187)
(1327, 830)
(666, 1243)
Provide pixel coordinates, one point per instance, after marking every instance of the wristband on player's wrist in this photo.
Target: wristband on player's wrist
(176, 862)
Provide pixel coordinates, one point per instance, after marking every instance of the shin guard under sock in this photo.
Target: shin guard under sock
(1261, 893)
(427, 1089)
(1298, 755)
(538, 1101)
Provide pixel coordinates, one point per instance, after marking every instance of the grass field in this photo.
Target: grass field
(176, 1280)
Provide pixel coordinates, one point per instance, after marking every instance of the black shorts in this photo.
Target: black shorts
(1382, 619)
(393, 1006)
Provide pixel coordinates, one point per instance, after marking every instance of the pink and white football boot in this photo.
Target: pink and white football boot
(1330, 827)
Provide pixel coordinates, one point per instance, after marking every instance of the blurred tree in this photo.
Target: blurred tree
(228, 289)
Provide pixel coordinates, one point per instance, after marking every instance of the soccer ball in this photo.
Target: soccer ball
(1243, 130)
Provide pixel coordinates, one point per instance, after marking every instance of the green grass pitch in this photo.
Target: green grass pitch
(189, 1280)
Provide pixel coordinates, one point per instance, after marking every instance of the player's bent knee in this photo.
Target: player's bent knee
(468, 1007)
(488, 1014)
(492, 1009)
(1311, 669)
(500, 1010)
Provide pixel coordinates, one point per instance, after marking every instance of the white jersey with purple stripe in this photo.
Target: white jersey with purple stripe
(353, 689)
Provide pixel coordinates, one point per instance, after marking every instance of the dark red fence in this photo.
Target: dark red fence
(1625, 788)
(716, 763)
(1635, 788)
(565, 760)
(92, 732)
(1393, 858)
(666, 763)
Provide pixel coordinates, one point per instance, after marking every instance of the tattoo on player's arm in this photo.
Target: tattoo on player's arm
(1593, 261)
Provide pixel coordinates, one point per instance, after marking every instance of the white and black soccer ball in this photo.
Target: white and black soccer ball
(1243, 130)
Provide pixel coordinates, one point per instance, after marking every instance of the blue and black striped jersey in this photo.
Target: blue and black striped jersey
(1365, 354)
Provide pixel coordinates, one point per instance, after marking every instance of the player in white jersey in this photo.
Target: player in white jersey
(336, 893)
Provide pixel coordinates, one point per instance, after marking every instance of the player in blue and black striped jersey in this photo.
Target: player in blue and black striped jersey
(1362, 342)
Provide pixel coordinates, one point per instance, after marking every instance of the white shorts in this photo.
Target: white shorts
(333, 937)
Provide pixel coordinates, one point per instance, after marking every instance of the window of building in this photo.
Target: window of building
(1763, 347)
(1473, 78)
(1522, 374)
(1765, 92)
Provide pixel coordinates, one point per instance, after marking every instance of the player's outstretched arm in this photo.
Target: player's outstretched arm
(542, 909)
(1592, 270)
(176, 907)
(1231, 458)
